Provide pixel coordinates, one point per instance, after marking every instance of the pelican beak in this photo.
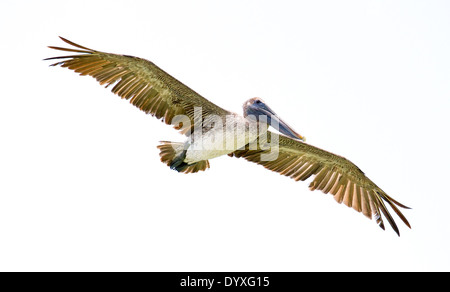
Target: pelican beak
(288, 131)
(274, 120)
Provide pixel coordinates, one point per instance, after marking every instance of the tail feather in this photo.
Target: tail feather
(173, 154)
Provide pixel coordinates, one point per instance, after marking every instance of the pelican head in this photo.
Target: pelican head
(256, 108)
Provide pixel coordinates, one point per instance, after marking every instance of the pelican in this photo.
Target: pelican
(212, 131)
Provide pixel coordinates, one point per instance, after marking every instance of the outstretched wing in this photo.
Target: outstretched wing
(333, 174)
(143, 83)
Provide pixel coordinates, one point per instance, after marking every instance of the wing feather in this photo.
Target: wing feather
(141, 82)
(333, 174)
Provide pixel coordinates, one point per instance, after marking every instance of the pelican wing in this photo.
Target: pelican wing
(333, 174)
(143, 83)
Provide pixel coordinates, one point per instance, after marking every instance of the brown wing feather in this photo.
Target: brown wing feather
(143, 83)
(333, 174)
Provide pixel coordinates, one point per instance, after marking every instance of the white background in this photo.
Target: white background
(81, 184)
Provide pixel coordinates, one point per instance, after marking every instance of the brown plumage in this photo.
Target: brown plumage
(157, 93)
(141, 82)
(333, 174)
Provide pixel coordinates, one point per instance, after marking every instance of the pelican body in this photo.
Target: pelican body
(220, 140)
(221, 135)
(212, 131)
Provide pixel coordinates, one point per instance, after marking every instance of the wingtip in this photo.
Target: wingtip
(407, 224)
(64, 39)
(393, 227)
(75, 45)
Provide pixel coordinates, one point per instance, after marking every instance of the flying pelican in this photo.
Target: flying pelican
(157, 93)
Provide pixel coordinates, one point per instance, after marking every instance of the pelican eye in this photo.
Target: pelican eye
(258, 101)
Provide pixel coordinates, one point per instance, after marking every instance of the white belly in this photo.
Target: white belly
(222, 139)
